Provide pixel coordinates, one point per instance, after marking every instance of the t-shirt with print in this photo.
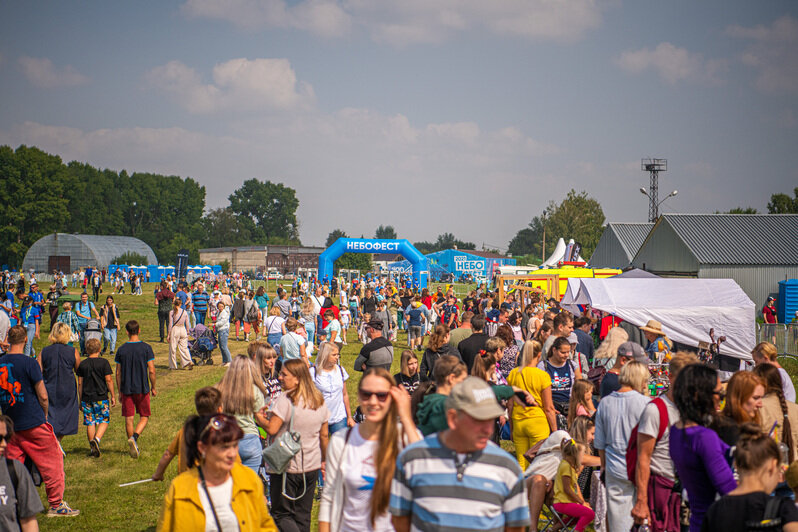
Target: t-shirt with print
(561, 381)
(19, 504)
(661, 463)
(132, 359)
(331, 385)
(359, 476)
(19, 375)
(93, 372)
(308, 424)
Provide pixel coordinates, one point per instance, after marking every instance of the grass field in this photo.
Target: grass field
(91, 483)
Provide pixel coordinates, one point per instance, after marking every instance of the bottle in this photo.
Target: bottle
(644, 527)
(784, 451)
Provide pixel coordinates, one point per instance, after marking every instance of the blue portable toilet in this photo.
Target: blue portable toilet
(788, 300)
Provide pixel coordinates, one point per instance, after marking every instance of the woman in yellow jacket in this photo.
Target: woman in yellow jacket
(218, 494)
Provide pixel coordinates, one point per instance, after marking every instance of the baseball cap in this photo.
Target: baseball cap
(572, 339)
(375, 324)
(475, 397)
(634, 351)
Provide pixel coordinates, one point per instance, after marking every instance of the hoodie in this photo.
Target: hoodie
(430, 357)
(431, 414)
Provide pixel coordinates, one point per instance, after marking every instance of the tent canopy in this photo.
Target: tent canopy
(687, 308)
(558, 254)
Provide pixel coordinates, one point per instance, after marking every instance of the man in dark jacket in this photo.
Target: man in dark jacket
(378, 352)
(471, 346)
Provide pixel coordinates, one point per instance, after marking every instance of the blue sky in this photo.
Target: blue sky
(430, 115)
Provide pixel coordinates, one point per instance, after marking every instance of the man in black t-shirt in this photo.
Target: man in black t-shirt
(135, 364)
(471, 346)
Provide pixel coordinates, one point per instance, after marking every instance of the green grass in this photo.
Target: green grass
(92, 483)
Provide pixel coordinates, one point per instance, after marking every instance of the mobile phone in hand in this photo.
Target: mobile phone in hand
(522, 397)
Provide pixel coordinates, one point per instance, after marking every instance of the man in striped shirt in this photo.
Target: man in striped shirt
(458, 479)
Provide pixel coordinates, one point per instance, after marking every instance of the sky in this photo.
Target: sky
(432, 116)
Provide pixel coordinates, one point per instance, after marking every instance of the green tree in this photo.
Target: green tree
(267, 210)
(334, 235)
(444, 241)
(783, 203)
(223, 228)
(31, 200)
(386, 232)
(170, 248)
(739, 210)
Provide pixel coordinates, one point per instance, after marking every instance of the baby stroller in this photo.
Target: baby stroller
(93, 330)
(202, 346)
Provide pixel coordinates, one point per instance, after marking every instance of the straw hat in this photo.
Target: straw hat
(653, 326)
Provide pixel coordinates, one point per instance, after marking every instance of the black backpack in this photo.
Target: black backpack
(771, 521)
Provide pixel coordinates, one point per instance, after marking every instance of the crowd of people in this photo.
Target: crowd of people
(610, 427)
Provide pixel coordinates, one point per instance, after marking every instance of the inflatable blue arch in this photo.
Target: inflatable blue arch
(365, 245)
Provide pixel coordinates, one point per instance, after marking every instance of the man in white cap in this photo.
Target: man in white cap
(458, 479)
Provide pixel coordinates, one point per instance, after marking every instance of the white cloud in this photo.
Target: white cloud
(673, 64)
(321, 17)
(353, 155)
(42, 73)
(771, 52)
(238, 84)
(411, 21)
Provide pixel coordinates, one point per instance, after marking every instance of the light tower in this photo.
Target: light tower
(653, 167)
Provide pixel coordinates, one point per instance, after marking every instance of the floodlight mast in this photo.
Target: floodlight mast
(653, 167)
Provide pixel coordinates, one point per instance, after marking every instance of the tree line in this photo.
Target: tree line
(41, 195)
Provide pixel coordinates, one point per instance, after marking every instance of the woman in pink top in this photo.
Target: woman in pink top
(178, 337)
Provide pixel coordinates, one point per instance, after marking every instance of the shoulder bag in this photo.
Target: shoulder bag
(279, 454)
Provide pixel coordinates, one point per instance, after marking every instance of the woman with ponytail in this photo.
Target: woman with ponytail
(777, 411)
(368, 450)
(750, 506)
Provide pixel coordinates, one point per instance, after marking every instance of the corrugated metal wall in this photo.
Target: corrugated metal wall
(58, 245)
(665, 252)
(609, 252)
(757, 281)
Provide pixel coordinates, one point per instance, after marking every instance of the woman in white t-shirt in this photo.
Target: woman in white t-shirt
(330, 378)
(369, 450)
(274, 327)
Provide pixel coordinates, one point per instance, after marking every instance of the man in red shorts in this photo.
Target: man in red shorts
(135, 379)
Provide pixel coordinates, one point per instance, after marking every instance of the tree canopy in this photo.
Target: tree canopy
(386, 232)
(783, 203)
(444, 241)
(42, 195)
(578, 216)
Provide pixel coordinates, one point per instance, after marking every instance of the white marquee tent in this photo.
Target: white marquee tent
(687, 308)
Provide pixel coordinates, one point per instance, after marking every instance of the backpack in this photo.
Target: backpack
(596, 375)
(165, 305)
(631, 449)
(252, 315)
(771, 520)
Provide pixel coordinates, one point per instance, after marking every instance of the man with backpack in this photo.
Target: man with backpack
(163, 300)
(649, 463)
(23, 397)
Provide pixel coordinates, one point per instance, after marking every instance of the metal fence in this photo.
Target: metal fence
(783, 336)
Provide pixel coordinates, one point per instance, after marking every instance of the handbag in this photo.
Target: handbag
(279, 454)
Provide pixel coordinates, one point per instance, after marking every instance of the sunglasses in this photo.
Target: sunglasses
(217, 422)
(5, 438)
(366, 395)
(721, 394)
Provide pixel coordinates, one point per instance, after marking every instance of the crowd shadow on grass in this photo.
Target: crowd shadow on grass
(148, 529)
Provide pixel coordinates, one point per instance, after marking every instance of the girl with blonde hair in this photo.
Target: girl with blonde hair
(242, 397)
(607, 352)
(330, 378)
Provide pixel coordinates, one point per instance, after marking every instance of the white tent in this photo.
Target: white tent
(687, 308)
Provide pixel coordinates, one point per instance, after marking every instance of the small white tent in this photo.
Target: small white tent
(687, 308)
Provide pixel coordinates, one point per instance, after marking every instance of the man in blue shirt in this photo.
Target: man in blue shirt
(200, 301)
(23, 397)
(29, 318)
(83, 310)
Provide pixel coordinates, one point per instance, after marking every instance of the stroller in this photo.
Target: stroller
(93, 330)
(202, 346)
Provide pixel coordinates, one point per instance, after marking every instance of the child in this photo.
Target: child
(94, 383)
(207, 401)
(581, 402)
(568, 500)
(345, 317)
(408, 377)
(364, 337)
